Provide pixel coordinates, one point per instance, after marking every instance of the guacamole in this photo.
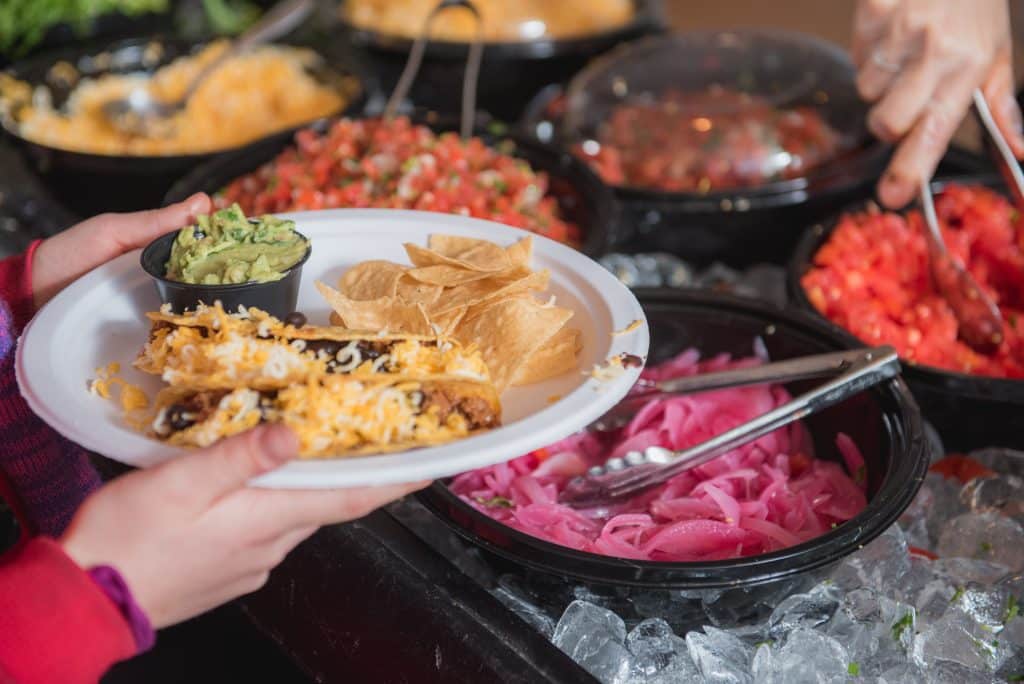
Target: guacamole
(227, 248)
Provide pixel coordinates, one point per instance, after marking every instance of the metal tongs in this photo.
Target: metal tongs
(620, 477)
(472, 75)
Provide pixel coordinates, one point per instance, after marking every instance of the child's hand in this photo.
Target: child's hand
(189, 535)
(63, 258)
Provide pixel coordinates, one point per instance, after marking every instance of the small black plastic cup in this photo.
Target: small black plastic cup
(277, 297)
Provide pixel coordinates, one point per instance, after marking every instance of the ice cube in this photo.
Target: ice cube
(765, 281)
(984, 536)
(880, 565)
(804, 610)
(956, 637)
(945, 502)
(721, 657)
(593, 637)
(946, 672)
(511, 593)
(658, 654)
(963, 571)
(1001, 494)
(1003, 461)
(876, 630)
(806, 655)
(901, 674)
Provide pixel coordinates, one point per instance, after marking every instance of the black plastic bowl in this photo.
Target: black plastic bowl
(582, 197)
(744, 225)
(511, 72)
(969, 411)
(90, 184)
(277, 297)
(884, 422)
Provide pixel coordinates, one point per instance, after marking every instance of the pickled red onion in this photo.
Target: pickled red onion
(761, 497)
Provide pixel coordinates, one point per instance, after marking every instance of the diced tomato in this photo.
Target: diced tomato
(395, 164)
(872, 278)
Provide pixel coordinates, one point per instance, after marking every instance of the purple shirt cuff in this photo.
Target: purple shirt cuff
(113, 585)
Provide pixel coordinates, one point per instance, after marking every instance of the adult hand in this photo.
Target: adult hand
(61, 259)
(189, 535)
(919, 61)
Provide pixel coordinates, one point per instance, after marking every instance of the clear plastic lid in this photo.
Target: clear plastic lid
(504, 20)
(714, 111)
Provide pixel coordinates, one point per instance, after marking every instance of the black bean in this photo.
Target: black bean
(177, 417)
(296, 319)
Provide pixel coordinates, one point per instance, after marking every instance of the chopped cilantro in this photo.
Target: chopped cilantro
(766, 642)
(861, 476)
(1012, 318)
(495, 502)
(957, 595)
(854, 669)
(984, 547)
(1015, 678)
(901, 625)
(500, 186)
(1012, 609)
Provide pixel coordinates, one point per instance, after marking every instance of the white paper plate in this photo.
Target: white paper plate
(99, 319)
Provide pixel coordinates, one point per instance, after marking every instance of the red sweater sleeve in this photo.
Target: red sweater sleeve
(56, 624)
(16, 286)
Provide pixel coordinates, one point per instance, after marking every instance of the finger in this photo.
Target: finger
(870, 21)
(998, 90)
(221, 469)
(279, 510)
(905, 102)
(918, 155)
(886, 60)
(138, 229)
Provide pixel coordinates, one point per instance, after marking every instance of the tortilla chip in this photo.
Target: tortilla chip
(557, 357)
(413, 292)
(509, 332)
(383, 313)
(480, 254)
(446, 276)
(520, 253)
(421, 257)
(448, 321)
(371, 280)
(491, 289)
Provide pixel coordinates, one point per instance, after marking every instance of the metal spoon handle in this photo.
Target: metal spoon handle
(1001, 152)
(279, 20)
(472, 75)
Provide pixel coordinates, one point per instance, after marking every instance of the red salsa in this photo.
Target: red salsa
(697, 142)
(398, 165)
(871, 277)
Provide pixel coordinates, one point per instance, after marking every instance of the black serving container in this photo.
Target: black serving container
(740, 226)
(89, 184)
(969, 411)
(582, 197)
(277, 297)
(884, 421)
(511, 72)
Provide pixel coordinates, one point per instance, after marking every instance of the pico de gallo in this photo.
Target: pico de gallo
(396, 164)
(872, 278)
(703, 141)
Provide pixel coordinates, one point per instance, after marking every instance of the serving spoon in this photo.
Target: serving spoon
(141, 115)
(979, 323)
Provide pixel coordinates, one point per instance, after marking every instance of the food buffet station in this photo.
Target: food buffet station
(727, 178)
